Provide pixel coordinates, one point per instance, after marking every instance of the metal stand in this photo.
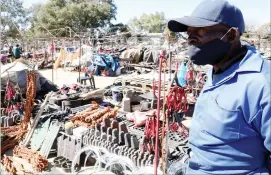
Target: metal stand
(52, 62)
(79, 67)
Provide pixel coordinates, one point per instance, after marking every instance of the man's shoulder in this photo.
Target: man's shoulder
(259, 61)
(266, 67)
(256, 71)
(265, 72)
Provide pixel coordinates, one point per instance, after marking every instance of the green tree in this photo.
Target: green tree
(33, 12)
(153, 23)
(118, 27)
(13, 17)
(79, 15)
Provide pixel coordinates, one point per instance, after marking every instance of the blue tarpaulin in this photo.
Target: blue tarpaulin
(110, 62)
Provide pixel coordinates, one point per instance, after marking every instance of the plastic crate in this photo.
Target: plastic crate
(175, 138)
(68, 146)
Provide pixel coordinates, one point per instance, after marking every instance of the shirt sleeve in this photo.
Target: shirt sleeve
(262, 122)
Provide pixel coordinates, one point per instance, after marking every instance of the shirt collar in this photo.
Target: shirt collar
(251, 62)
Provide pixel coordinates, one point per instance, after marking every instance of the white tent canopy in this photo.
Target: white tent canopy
(16, 73)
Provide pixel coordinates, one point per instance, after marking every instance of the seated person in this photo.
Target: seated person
(105, 71)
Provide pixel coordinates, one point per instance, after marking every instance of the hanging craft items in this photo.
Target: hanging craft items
(190, 75)
(10, 96)
(31, 94)
(10, 92)
(16, 133)
(177, 105)
(201, 79)
(150, 132)
(152, 126)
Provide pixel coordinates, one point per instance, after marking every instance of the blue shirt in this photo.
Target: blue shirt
(17, 52)
(230, 131)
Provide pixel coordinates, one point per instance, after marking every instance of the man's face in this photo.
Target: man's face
(199, 36)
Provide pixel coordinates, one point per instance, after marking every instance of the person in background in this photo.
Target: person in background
(252, 43)
(21, 49)
(17, 52)
(11, 55)
(230, 132)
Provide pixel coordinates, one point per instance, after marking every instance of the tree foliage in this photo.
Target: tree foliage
(34, 11)
(153, 23)
(118, 27)
(79, 15)
(13, 17)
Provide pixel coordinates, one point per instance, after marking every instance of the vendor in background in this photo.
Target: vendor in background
(252, 43)
(21, 49)
(10, 52)
(17, 52)
(230, 131)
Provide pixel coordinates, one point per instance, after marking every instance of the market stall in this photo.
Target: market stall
(140, 123)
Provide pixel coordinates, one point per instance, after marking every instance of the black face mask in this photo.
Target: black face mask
(210, 53)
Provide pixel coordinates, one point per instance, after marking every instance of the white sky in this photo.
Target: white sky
(256, 12)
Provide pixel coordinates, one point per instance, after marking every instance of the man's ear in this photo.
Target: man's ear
(233, 35)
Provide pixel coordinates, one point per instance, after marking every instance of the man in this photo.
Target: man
(230, 131)
(17, 52)
(10, 51)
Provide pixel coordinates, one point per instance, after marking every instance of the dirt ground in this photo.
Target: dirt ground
(67, 77)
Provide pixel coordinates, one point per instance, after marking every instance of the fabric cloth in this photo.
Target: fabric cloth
(17, 52)
(16, 73)
(109, 62)
(230, 131)
(151, 55)
(182, 74)
(135, 54)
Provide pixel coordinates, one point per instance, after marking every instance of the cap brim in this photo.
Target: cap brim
(181, 24)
